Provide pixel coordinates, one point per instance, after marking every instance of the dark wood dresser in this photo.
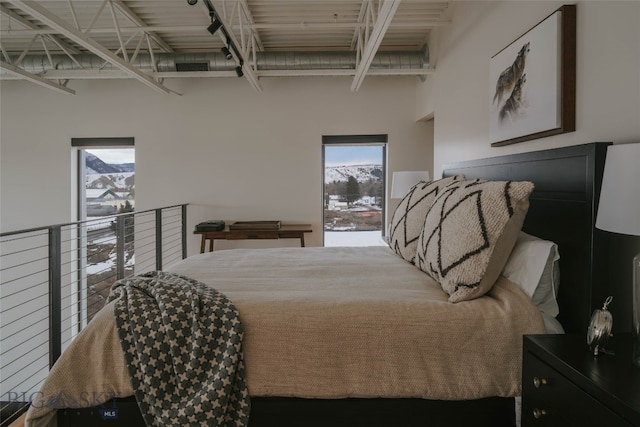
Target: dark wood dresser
(563, 384)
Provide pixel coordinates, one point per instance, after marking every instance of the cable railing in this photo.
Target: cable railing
(54, 279)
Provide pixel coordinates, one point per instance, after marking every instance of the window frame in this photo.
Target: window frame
(381, 140)
(81, 145)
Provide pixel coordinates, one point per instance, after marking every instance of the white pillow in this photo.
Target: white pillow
(533, 266)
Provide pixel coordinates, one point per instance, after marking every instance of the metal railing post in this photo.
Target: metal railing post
(158, 239)
(120, 239)
(184, 231)
(55, 294)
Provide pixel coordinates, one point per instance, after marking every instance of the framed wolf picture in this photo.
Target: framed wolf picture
(532, 89)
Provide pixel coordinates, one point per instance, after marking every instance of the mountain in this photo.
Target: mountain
(362, 173)
(97, 166)
(126, 167)
(116, 177)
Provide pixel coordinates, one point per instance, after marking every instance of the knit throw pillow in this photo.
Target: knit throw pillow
(408, 218)
(469, 233)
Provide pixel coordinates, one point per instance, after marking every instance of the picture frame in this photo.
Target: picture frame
(533, 82)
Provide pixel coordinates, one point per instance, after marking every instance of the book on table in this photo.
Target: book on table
(255, 225)
(211, 225)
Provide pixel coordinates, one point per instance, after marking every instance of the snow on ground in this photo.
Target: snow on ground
(99, 222)
(100, 267)
(353, 238)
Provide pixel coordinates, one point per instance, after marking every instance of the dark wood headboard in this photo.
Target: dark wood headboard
(563, 209)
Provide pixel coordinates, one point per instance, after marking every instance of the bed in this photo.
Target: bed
(314, 358)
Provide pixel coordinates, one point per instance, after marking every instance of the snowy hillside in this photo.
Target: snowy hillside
(362, 173)
(95, 165)
(116, 177)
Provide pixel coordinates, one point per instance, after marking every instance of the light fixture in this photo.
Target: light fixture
(226, 52)
(402, 182)
(215, 25)
(230, 50)
(192, 2)
(619, 212)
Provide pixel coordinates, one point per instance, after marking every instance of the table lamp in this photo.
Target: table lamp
(402, 182)
(619, 212)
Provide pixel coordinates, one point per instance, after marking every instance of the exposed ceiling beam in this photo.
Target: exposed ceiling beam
(385, 15)
(124, 9)
(32, 27)
(344, 25)
(307, 26)
(251, 24)
(34, 78)
(51, 20)
(263, 26)
(360, 23)
(345, 72)
(118, 74)
(125, 29)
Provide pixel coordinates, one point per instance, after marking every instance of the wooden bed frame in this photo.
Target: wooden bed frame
(563, 208)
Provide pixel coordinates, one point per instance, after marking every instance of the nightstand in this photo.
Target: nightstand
(563, 384)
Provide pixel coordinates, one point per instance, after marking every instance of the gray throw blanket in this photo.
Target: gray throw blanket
(182, 342)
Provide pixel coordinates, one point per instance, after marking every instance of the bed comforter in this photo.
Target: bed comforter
(333, 323)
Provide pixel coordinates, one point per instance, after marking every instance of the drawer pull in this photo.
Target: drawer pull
(539, 382)
(539, 413)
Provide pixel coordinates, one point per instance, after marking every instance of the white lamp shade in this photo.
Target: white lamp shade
(619, 208)
(402, 181)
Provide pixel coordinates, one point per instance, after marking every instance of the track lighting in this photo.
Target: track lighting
(215, 25)
(226, 52)
(229, 50)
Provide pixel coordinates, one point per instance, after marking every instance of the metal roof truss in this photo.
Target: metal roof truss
(52, 42)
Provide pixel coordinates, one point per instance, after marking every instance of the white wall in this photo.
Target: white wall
(608, 76)
(232, 152)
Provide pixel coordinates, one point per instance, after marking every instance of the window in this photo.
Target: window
(354, 171)
(106, 186)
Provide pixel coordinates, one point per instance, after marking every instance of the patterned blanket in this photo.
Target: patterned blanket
(182, 341)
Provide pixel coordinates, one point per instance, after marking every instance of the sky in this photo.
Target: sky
(340, 155)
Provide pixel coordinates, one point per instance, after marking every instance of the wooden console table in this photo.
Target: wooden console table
(294, 231)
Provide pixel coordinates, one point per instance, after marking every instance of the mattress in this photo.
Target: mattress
(338, 322)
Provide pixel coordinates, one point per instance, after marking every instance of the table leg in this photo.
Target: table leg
(202, 242)
(211, 244)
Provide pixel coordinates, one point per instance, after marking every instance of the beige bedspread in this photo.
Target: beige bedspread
(334, 323)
